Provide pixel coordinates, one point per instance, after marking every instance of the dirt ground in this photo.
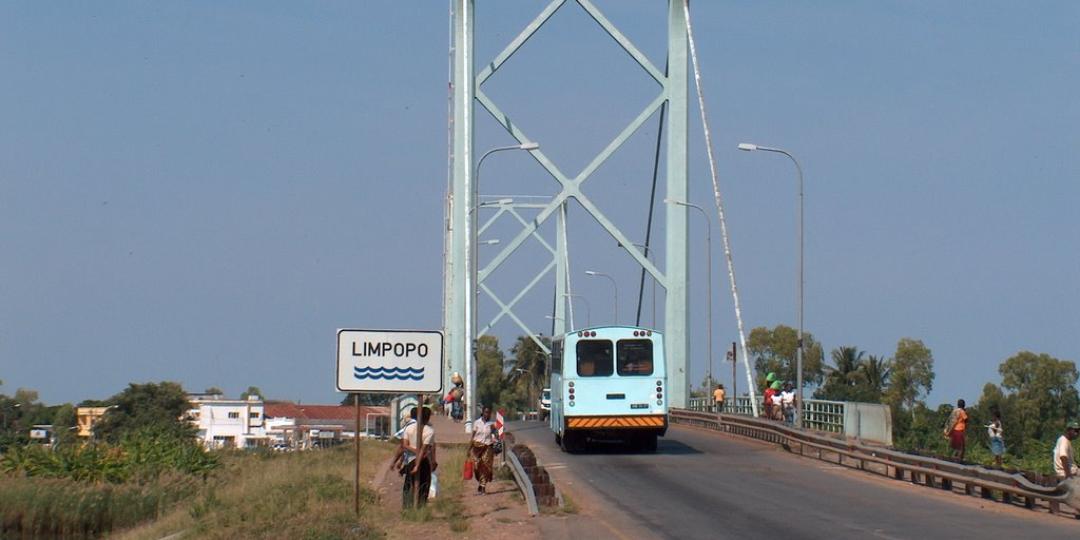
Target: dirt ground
(498, 514)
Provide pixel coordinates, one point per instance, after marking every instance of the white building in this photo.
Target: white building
(228, 423)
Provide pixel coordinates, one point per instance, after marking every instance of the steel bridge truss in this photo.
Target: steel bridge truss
(460, 295)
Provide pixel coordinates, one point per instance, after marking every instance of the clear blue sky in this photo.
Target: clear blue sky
(205, 192)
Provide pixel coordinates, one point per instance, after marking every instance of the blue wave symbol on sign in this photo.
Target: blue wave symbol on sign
(389, 373)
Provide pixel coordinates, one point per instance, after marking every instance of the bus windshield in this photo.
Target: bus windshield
(635, 357)
(594, 358)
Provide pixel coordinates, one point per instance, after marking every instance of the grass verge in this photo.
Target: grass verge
(307, 495)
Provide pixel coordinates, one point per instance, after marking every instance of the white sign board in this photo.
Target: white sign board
(400, 361)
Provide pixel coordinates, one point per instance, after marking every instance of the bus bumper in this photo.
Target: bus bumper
(654, 422)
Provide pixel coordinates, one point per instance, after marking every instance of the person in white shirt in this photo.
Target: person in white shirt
(787, 401)
(1064, 464)
(481, 449)
(419, 462)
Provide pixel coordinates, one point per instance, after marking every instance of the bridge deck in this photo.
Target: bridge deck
(706, 485)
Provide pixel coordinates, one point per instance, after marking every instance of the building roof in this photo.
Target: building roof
(288, 409)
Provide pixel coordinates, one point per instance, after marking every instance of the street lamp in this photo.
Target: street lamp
(530, 387)
(748, 147)
(708, 271)
(588, 308)
(15, 406)
(613, 284)
(471, 263)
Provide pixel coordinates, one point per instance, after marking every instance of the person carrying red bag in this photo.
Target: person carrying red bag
(482, 449)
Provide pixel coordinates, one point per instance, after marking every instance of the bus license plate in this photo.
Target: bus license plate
(639, 405)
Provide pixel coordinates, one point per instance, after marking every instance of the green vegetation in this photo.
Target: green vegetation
(161, 407)
(775, 351)
(1036, 396)
(513, 384)
(290, 495)
(140, 457)
(43, 507)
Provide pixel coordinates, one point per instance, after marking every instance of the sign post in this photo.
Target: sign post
(388, 362)
(356, 443)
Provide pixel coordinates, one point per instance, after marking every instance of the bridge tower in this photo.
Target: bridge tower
(464, 281)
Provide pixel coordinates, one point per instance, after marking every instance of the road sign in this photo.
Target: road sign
(398, 361)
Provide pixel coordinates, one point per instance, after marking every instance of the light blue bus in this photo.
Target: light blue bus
(608, 382)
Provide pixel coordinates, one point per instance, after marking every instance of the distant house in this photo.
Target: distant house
(41, 434)
(228, 423)
(87, 417)
(311, 426)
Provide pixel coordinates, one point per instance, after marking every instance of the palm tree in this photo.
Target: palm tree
(876, 371)
(842, 380)
(528, 366)
(847, 360)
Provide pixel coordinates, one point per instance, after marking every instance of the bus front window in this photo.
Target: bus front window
(635, 357)
(594, 358)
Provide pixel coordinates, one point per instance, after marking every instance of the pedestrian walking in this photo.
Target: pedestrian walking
(767, 395)
(997, 440)
(399, 455)
(955, 430)
(719, 395)
(1064, 461)
(419, 462)
(787, 402)
(455, 396)
(481, 449)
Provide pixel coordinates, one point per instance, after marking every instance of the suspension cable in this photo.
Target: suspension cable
(719, 205)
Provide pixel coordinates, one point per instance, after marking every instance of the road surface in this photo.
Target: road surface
(707, 485)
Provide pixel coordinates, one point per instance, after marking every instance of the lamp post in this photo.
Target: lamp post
(613, 284)
(530, 387)
(708, 272)
(15, 406)
(473, 285)
(588, 308)
(748, 147)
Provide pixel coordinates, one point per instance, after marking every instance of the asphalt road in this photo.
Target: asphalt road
(707, 485)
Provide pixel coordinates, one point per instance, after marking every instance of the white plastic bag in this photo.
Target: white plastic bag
(433, 491)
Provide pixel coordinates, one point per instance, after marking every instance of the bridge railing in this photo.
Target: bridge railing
(989, 484)
(818, 414)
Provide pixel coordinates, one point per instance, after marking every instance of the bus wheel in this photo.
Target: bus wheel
(569, 442)
(648, 443)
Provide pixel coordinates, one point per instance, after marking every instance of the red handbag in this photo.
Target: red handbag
(468, 469)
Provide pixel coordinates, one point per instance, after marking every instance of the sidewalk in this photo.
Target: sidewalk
(447, 431)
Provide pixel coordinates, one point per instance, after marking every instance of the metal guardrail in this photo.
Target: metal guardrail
(818, 414)
(523, 481)
(898, 465)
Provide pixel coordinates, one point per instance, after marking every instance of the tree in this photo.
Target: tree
(252, 391)
(368, 399)
(63, 422)
(842, 380)
(876, 370)
(490, 376)
(528, 368)
(213, 390)
(159, 407)
(775, 351)
(912, 374)
(26, 396)
(1038, 393)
